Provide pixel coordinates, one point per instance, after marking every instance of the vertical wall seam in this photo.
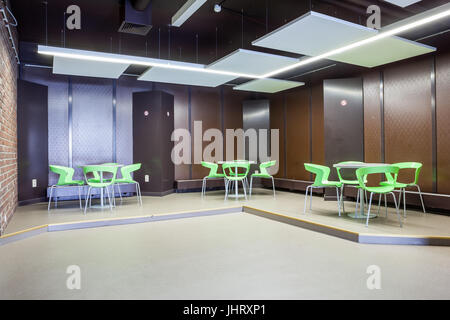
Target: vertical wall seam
(222, 120)
(114, 122)
(433, 124)
(382, 135)
(285, 134)
(363, 122)
(190, 126)
(70, 120)
(310, 130)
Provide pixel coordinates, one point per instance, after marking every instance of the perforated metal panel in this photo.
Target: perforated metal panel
(92, 122)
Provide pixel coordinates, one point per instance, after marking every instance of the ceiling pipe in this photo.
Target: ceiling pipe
(140, 5)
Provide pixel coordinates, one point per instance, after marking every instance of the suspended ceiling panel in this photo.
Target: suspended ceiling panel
(251, 62)
(268, 85)
(313, 34)
(403, 3)
(186, 77)
(88, 68)
(382, 52)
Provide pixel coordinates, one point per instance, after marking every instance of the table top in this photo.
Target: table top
(237, 161)
(359, 165)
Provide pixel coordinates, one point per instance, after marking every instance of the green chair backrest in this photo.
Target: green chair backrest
(362, 173)
(229, 167)
(127, 170)
(263, 167)
(344, 162)
(407, 165)
(101, 168)
(322, 173)
(65, 174)
(213, 167)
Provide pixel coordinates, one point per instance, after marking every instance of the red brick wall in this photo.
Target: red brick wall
(8, 125)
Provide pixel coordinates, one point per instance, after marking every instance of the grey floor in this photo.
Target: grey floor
(230, 256)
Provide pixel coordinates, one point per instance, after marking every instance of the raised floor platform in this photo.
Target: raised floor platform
(287, 207)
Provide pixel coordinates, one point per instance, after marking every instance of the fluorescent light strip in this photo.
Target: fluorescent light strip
(187, 10)
(381, 35)
(108, 57)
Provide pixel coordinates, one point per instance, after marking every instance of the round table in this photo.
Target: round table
(236, 186)
(362, 214)
(102, 205)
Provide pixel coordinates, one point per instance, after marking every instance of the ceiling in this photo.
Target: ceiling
(206, 36)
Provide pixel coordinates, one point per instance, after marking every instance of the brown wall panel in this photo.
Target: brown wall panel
(443, 122)
(372, 121)
(318, 149)
(297, 137)
(407, 117)
(205, 104)
(232, 115)
(277, 122)
(181, 105)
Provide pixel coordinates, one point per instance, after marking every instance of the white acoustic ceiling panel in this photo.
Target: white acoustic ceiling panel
(268, 85)
(313, 34)
(88, 68)
(403, 3)
(187, 77)
(382, 52)
(251, 62)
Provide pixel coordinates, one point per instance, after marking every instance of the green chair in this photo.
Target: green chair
(65, 179)
(99, 185)
(263, 174)
(213, 174)
(240, 173)
(321, 181)
(128, 179)
(353, 183)
(362, 174)
(402, 186)
(230, 175)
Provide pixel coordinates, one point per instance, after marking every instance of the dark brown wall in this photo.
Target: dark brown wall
(277, 121)
(297, 138)
(317, 116)
(407, 117)
(32, 135)
(443, 122)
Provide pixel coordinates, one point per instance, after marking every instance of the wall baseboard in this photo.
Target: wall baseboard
(31, 201)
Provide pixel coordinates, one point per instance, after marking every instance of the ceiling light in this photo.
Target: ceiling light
(403, 3)
(143, 61)
(187, 10)
(389, 31)
(217, 8)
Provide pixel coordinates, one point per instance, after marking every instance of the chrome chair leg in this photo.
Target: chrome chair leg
(421, 199)
(88, 199)
(385, 204)
(243, 187)
(357, 202)
(396, 208)
(379, 203)
(79, 197)
(138, 192)
(273, 187)
(338, 200)
(306, 199)
(251, 185)
(342, 198)
(368, 211)
(50, 198)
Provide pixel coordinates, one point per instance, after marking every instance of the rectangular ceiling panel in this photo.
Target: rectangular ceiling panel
(268, 85)
(313, 34)
(251, 62)
(382, 52)
(186, 77)
(88, 68)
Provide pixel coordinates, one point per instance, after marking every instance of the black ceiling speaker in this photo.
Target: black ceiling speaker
(137, 17)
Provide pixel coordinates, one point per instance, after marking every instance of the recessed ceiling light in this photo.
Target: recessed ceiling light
(217, 8)
(403, 3)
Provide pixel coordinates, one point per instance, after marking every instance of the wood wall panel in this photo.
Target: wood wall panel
(407, 117)
(443, 122)
(232, 116)
(205, 104)
(181, 110)
(318, 149)
(372, 121)
(297, 137)
(277, 122)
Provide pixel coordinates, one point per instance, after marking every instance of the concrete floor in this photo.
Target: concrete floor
(287, 203)
(230, 256)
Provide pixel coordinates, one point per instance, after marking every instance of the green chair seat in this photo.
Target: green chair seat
(397, 185)
(65, 179)
(264, 174)
(387, 170)
(321, 181)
